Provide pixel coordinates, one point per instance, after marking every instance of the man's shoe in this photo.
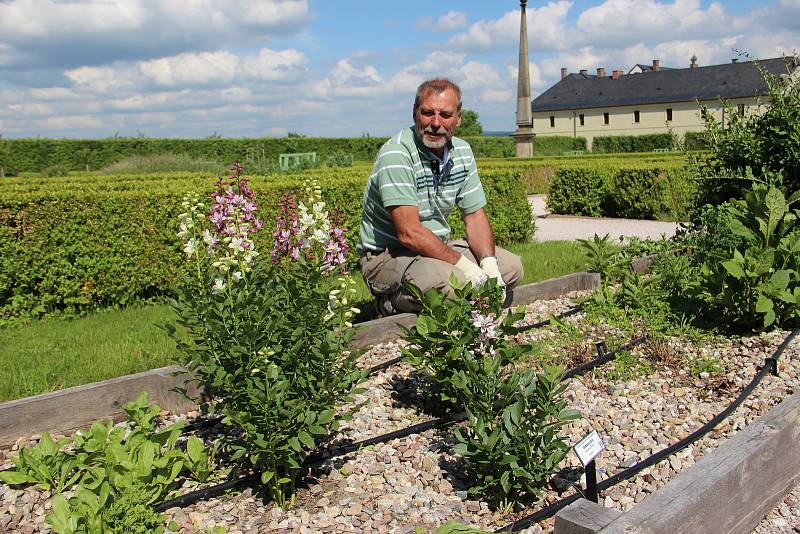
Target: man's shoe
(381, 307)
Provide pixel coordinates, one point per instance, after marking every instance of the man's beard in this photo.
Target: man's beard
(439, 142)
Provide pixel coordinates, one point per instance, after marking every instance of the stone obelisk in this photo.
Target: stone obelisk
(524, 133)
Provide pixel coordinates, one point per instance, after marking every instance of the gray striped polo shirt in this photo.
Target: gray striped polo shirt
(404, 175)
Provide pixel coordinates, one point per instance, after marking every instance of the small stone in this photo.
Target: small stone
(675, 463)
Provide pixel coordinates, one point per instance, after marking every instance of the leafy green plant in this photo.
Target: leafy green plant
(513, 447)
(628, 366)
(600, 256)
(758, 282)
(448, 329)
(511, 442)
(705, 364)
(115, 474)
(268, 333)
(47, 464)
(199, 460)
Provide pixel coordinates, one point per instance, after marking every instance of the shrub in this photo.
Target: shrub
(637, 193)
(632, 143)
(766, 140)
(268, 332)
(154, 163)
(84, 154)
(578, 192)
(696, 141)
(84, 242)
(632, 192)
(339, 159)
(510, 443)
(55, 170)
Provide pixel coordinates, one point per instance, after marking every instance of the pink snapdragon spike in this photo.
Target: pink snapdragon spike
(232, 215)
(287, 230)
(295, 237)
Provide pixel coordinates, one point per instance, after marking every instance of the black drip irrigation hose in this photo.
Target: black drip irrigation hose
(219, 489)
(197, 425)
(334, 452)
(770, 365)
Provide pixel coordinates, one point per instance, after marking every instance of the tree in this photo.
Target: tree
(469, 124)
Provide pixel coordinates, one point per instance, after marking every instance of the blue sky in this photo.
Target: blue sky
(244, 68)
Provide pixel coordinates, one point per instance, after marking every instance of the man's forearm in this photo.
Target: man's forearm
(415, 237)
(425, 243)
(479, 234)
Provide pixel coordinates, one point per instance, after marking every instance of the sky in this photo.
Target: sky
(332, 68)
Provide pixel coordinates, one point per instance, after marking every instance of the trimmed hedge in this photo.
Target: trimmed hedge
(68, 245)
(632, 143)
(36, 155)
(631, 192)
(578, 192)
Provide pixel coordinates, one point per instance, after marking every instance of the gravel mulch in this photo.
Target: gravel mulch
(416, 481)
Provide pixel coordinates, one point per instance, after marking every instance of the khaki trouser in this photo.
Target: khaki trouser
(386, 272)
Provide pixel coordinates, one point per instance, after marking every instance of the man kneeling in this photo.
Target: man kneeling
(419, 176)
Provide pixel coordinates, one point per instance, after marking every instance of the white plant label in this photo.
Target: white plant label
(589, 447)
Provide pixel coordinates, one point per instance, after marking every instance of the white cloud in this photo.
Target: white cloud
(620, 23)
(44, 32)
(545, 25)
(71, 122)
(190, 69)
(99, 79)
(277, 66)
(450, 21)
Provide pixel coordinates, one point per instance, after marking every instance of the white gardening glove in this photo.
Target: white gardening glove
(472, 273)
(489, 266)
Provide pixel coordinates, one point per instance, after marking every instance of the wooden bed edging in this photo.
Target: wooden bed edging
(728, 491)
(67, 410)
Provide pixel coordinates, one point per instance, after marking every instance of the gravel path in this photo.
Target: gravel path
(415, 481)
(568, 228)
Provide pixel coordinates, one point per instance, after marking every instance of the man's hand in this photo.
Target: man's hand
(489, 266)
(472, 273)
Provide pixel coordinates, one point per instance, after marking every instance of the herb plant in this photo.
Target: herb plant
(268, 333)
(511, 442)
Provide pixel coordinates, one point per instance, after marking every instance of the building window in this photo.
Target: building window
(552, 121)
(636, 116)
(605, 118)
(740, 108)
(669, 114)
(581, 118)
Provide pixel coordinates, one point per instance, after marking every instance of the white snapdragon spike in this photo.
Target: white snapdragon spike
(219, 286)
(338, 301)
(191, 248)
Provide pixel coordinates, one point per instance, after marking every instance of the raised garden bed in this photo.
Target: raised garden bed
(416, 481)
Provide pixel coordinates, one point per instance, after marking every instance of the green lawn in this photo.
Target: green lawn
(53, 354)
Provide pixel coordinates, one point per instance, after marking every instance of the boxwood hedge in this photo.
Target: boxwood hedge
(72, 244)
(37, 155)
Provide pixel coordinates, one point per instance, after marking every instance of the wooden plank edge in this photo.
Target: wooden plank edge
(730, 489)
(67, 410)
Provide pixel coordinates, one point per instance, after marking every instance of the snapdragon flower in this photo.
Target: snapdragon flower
(311, 232)
(234, 222)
